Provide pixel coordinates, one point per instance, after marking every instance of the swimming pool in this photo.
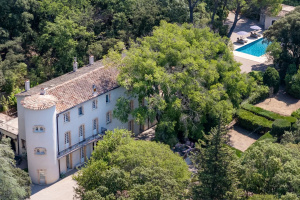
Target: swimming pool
(257, 48)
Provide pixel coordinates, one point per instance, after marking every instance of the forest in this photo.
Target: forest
(179, 59)
(39, 39)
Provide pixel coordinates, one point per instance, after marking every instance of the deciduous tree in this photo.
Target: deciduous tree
(15, 183)
(121, 167)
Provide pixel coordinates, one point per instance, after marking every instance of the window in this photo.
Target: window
(94, 104)
(108, 117)
(130, 125)
(67, 137)
(80, 110)
(67, 117)
(81, 153)
(95, 125)
(81, 131)
(107, 98)
(38, 129)
(40, 151)
(273, 21)
(131, 105)
(23, 143)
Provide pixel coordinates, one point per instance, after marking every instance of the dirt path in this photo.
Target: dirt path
(281, 103)
(241, 139)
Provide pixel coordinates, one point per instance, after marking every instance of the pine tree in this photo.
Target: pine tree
(14, 182)
(216, 168)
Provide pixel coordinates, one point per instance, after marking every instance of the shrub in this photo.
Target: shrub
(253, 122)
(296, 114)
(279, 126)
(261, 93)
(267, 114)
(258, 76)
(293, 84)
(271, 78)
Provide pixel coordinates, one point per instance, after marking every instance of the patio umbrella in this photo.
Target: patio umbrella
(255, 27)
(242, 33)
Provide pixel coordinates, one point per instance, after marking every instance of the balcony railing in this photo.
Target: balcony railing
(86, 141)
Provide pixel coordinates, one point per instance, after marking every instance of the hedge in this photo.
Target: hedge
(252, 122)
(279, 126)
(260, 94)
(296, 114)
(267, 114)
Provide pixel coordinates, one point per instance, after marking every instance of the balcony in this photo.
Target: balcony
(86, 141)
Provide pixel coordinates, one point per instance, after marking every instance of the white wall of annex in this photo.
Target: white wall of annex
(268, 21)
(21, 123)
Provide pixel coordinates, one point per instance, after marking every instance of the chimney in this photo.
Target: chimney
(43, 91)
(91, 59)
(27, 85)
(75, 64)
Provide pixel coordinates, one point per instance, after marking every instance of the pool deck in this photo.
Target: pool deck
(249, 62)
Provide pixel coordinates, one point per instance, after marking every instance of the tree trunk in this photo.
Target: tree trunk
(214, 11)
(224, 7)
(236, 19)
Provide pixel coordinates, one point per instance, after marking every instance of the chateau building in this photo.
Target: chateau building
(60, 121)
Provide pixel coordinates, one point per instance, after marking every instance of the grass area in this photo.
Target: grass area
(267, 136)
(237, 152)
(267, 114)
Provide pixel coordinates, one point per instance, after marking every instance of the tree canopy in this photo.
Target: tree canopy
(121, 167)
(187, 77)
(285, 31)
(271, 168)
(217, 168)
(15, 183)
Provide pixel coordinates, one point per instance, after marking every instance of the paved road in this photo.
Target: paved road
(61, 190)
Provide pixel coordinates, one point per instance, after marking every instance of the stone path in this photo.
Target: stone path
(241, 139)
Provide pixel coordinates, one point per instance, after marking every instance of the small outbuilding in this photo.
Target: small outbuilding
(266, 20)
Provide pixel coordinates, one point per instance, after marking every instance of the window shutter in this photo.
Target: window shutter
(83, 131)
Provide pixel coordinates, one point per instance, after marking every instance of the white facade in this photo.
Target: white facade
(42, 165)
(46, 168)
(269, 21)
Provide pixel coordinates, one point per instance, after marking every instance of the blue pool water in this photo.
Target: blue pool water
(257, 48)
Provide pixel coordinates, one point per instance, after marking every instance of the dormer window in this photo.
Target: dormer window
(80, 110)
(38, 129)
(39, 151)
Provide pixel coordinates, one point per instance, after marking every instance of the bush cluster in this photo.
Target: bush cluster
(292, 82)
(253, 122)
(271, 78)
(296, 114)
(279, 126)
(261, 93)
(267, 114)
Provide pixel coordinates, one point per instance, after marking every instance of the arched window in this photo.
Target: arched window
(273, 21)
(40, 151)
(39, 129)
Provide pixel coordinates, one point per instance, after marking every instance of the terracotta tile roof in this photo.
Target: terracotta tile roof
(77, 87)
(39, 102)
